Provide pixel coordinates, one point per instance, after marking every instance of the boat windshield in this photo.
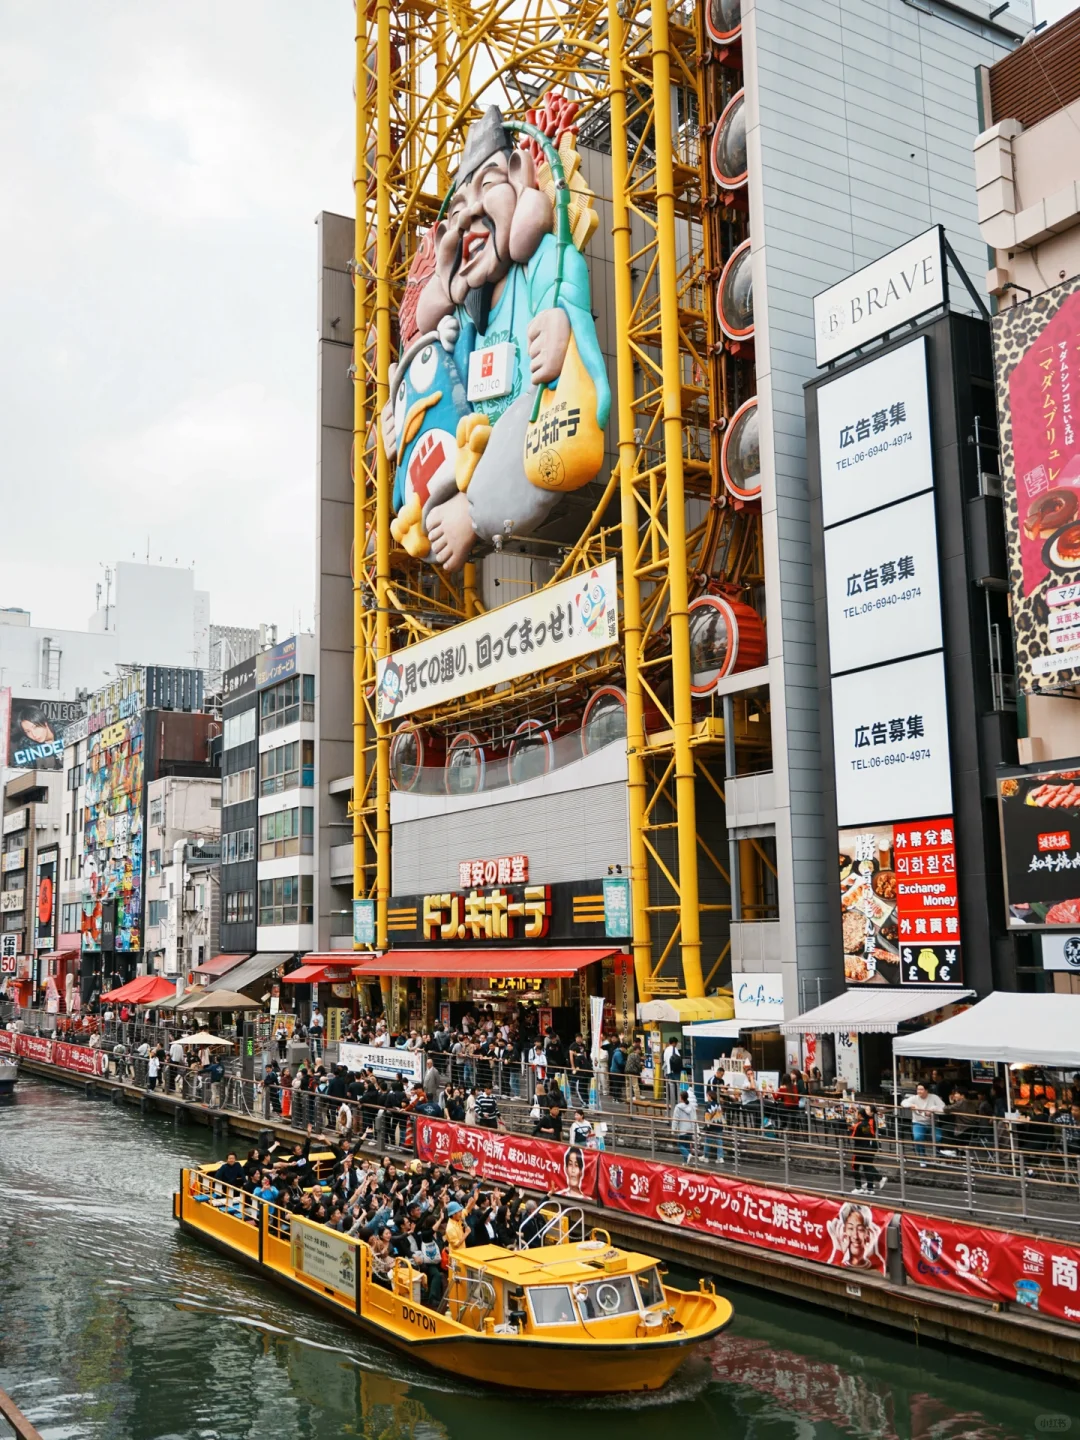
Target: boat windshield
(652, 1291)
(552, 1305)
(604, 1298)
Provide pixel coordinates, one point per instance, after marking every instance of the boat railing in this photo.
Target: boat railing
(472, 1307)
(564, 1224)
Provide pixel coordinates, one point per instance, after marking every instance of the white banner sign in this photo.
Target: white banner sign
(1060, 952)
(907, 282)
(407, 1063)
(874, 434)
(17, 820)
(882, 591)
(562, 622)
(891, 742)
(759, 997)
(318, 1254)
(12, 901)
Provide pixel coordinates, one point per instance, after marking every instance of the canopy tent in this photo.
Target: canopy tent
(311, 974)
(178, 1000)
(251, 971)
(218, 1000)
(144, 990)
(724, 1029)
(442, 964)
(872, 1010)
(680, 1011)
(1015, 1029)
(219, 965)
(205, 1038)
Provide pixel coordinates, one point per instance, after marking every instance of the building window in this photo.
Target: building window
(289, 832)
(154, 867)
(239, 907)
(237, 845)
(239, 786)
(157, 810)
(155, 911)
(284, 704)
(238, 729)
(215, 802)
(286, 900)
(287, 767)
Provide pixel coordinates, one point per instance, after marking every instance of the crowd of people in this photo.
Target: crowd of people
(411, 1211)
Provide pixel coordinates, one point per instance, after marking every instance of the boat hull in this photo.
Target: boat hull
(521, 1363)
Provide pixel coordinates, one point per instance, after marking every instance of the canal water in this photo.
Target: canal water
(114, 1327)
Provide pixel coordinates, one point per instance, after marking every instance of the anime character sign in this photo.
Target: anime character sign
(500, 397)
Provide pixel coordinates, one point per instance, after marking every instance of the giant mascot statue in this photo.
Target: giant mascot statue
(500, 396)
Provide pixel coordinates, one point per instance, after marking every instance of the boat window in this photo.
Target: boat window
(652, 1292)
(551, 1305)
(604, 1298)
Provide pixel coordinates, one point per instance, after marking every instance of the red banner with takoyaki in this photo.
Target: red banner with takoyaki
(849, 1234)
(1037, 360)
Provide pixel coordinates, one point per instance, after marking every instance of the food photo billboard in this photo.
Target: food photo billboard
(900, 905)
(1037, 375)
(1040, 838)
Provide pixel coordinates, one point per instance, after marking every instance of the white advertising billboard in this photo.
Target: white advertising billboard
(891, 742)
(874, 434)
(561, 622)
(1060, 952)
(882, 592)
(907, 282)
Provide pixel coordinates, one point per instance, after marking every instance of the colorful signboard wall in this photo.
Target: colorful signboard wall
(890, 726)
(1040, 836)
(1037, 371)
(113, 823)
(34, 739)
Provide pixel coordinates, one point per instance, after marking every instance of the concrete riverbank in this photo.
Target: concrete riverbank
(1016, 1337)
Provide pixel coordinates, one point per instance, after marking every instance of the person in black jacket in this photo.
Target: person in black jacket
(232, 1172)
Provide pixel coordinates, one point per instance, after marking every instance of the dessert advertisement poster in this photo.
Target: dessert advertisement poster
(1037, 363)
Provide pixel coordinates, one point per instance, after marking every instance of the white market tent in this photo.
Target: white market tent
(873, 1009)
(1011, 1028)
(725, 1029)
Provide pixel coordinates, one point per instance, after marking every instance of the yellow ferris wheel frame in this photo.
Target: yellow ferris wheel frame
(423, 72)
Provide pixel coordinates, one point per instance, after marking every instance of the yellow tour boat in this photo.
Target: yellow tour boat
(574, 1314)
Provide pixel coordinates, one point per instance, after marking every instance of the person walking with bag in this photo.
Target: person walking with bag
(864, 1145)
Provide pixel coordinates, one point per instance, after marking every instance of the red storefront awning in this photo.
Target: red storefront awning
(319, 967)
(220, 964)
(442, 964)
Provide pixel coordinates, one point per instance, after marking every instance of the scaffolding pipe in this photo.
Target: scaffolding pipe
(637, 786)
(678, 587)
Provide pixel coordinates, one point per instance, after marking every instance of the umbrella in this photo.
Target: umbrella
(219, 1000)
(144, 990)
(205, 1038)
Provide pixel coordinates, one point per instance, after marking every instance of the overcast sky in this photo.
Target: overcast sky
(162, 166)
(161, 169)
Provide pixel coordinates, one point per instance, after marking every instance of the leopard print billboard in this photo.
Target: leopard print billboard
(1037, 371)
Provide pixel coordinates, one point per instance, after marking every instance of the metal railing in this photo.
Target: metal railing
(991, 1167)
